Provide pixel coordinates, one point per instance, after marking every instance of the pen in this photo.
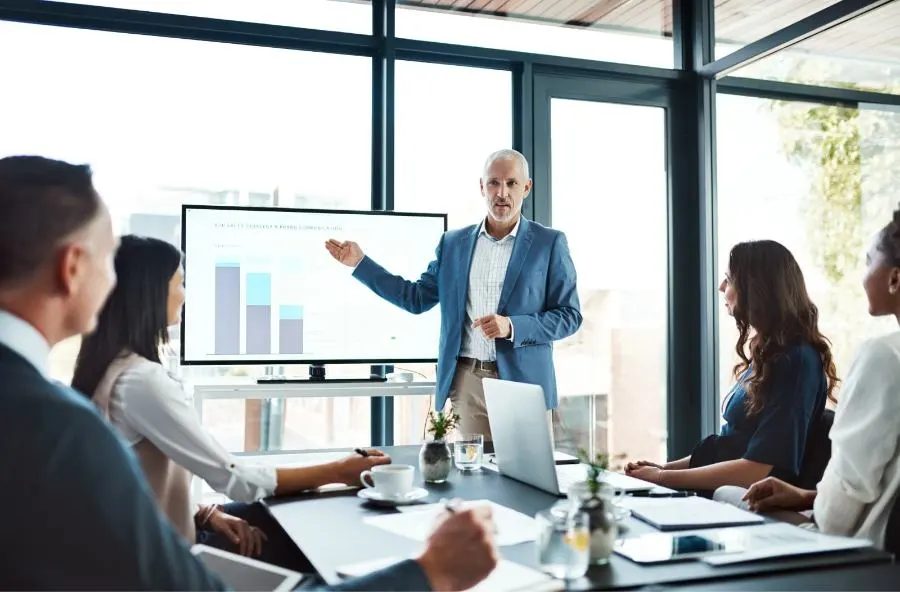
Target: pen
(361, 452)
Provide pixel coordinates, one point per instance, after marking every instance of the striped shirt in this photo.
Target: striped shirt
(486, 277)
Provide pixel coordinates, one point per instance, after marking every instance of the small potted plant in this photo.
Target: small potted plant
(595, 498)
(435, 459)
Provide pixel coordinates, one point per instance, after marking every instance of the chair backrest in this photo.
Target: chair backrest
(818, 451)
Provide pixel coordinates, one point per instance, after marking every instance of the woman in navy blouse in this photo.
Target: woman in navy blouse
(784, 376)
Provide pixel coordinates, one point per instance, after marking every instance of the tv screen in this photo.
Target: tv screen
(262, 289)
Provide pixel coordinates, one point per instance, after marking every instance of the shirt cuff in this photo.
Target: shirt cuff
(512, 331)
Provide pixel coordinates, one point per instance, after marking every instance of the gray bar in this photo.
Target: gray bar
(228, 310)
(259, 329)
(290, 336)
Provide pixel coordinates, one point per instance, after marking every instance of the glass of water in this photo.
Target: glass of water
(563, 541)
(468, 452)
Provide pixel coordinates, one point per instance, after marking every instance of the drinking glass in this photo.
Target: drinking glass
(563, 541)
(468, 452)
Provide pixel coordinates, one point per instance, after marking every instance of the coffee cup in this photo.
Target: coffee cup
(389, 481)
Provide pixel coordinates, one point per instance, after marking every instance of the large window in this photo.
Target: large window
(165, 122)
(449, 119)
(636, 32)
(350, 16)
(612, 204)
(822, 181)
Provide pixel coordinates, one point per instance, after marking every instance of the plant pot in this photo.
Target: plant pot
(602, 521)
(435, 461)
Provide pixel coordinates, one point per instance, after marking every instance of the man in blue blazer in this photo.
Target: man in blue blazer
(507, 291)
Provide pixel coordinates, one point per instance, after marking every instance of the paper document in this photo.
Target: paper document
(506, 577)
(778, 539)
(685, 513)
(417, 522)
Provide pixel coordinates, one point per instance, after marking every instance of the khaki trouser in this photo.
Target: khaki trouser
(467, 399)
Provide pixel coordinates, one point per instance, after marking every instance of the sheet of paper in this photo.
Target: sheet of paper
(684, 513)
(417, 522)
(778, 539)
(506, 577)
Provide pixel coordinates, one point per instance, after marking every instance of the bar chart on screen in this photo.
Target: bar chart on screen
(261, 286)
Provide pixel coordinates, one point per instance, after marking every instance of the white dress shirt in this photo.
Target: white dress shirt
(861, 482)
(486, 276)
(148, 403)
(21, 337)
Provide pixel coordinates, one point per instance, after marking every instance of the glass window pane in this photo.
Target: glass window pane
(739, 22)
(188, 122)
(612, 373)
(863, 53)
(822, 181)
(442, 142)
(635, 32)
(348, 16)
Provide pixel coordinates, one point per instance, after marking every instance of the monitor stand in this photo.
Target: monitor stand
(317, 376)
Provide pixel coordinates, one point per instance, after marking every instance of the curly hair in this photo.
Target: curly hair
(889, 239)
(772, 301)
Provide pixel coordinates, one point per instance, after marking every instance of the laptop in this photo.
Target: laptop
(523, 445)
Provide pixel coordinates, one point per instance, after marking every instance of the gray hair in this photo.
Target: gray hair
(506, 154)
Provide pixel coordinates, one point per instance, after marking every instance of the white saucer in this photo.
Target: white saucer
(411, 497)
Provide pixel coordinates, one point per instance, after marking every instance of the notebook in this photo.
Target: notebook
(686, 513)
(506, 577)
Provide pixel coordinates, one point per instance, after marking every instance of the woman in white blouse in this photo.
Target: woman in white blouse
(119, 367)
(862, 480)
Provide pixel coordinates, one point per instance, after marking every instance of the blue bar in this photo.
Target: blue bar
(259, 289)
(289, 312)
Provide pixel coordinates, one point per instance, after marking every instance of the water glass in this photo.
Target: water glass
(563, 541)
(468, 452)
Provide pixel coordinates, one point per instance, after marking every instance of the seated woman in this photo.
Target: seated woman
(783, 379)
(119, 367)
(862, 480)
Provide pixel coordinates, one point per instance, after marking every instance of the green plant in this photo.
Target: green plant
(440, 424)
(596, 467)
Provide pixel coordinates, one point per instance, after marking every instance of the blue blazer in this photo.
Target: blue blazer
(539, 296)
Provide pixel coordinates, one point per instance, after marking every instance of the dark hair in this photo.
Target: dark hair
(42, 201)
(135, 317)
(772, 299)
(889, 239)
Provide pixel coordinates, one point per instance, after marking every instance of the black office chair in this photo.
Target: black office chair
(818, 451)
(892, 532)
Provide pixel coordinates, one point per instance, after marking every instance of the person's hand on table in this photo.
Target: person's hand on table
(461, 551)
(248, 539)
(775, 494)
(349, 469)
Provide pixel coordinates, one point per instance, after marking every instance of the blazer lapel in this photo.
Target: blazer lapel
(465, 264)
(516, 261)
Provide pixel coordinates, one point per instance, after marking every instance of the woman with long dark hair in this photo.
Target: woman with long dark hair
(860, 486)
(784, 377)
(119, 367)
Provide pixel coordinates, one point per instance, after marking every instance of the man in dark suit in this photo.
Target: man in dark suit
(79, 513)
(507, 290)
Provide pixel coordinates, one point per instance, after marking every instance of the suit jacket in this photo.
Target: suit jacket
(539, 296)
(78, 513)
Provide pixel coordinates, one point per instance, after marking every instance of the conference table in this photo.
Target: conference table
(329, 529)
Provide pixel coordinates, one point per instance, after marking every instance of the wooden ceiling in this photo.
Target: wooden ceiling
(876, 35)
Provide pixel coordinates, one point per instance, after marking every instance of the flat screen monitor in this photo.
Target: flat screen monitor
(262, 289)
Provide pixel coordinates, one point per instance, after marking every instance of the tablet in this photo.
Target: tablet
(244, 574)
(664, 548)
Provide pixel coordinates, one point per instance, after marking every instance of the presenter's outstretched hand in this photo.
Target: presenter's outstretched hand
(347, 252)
(461, 551)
